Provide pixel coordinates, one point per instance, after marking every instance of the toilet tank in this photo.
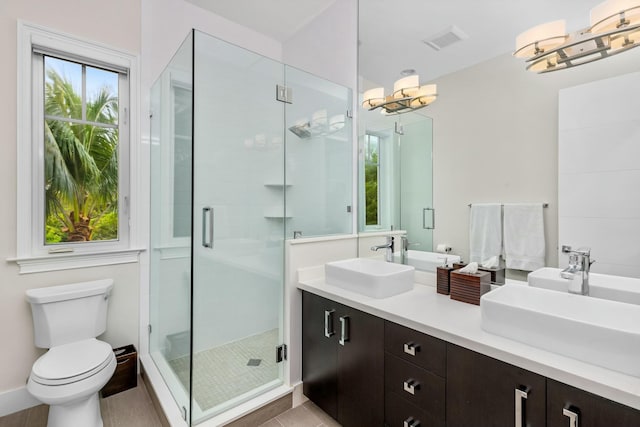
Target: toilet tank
(69, 313)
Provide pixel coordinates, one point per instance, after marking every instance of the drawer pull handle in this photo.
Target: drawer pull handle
(411, 385)
(344, 330)
(410, 348)
(411, 422)
(573, 415)
(328, 323)
(122, 362)
(520, 397)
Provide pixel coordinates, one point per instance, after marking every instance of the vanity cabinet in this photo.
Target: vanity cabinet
(368, 372)
(566, 403)
(415, 385)
(485, 392)
(343, 361)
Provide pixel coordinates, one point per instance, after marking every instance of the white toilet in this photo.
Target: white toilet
(68, 377)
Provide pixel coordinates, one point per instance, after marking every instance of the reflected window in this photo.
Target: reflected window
(372, 179)
(182, 135)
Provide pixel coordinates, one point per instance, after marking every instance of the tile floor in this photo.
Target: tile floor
(130, 408)
(305, 415)
(133, 408)
(225, 372)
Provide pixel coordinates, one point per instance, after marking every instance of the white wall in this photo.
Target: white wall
(599, 148)
(77, 18)
(496, 140)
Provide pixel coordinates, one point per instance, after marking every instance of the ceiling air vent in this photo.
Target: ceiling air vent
(446, 38)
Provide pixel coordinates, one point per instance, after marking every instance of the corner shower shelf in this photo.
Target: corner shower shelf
(277, 184)
(276, 213)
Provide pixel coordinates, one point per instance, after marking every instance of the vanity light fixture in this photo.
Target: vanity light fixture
(407, 96)
(615, 28)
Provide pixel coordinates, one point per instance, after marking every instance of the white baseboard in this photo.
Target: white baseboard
(298, 397)
(16, 400)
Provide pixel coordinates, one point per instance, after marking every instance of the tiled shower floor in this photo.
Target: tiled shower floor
(225, 372)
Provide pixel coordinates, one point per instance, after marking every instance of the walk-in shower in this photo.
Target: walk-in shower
(245, 150)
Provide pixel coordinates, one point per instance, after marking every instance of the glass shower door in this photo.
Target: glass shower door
(239, 220)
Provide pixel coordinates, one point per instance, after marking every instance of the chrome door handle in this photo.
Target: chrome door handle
(411, 422)
(207, 238)
(328, 323)
(411, 385)
(573, 416)
(410, 348)
(433, 219)
(520, 397)
(344, 330)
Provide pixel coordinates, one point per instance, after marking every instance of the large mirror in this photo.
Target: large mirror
(495, 131)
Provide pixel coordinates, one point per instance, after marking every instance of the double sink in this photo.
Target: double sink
(602, 329)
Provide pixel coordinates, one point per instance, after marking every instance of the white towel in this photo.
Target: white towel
(485, 231)
(524, 236)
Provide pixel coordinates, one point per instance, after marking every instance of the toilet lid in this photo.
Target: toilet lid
(72, 362)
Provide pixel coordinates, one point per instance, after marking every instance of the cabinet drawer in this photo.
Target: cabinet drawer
(398, 412)
(591, 410)
(417, 386)
(427, 352)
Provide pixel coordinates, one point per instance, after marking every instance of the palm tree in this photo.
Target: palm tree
(81, 160)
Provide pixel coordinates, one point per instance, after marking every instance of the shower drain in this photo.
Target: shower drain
(254, 362)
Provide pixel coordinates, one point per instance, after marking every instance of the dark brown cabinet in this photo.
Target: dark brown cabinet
(485, 392)
(566, 403)
(415, 366)
(368, 372)
(343, 361)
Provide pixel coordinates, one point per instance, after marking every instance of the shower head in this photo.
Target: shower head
(302, 131)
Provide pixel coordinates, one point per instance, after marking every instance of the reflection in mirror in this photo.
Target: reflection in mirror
(395, 176)
(495, 124)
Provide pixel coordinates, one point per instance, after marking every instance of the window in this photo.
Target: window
(74, 154)
(371, 179)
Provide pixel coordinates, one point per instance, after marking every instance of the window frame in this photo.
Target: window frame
(32, 254)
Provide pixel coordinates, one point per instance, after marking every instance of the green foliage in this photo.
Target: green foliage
(81, 163)
(105, 227)
(371, 193)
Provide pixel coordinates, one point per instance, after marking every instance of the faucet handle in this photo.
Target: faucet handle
(566, 249)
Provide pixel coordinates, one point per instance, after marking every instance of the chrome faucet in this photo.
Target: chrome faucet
(404, 248)
(578, 270)
(388, 256)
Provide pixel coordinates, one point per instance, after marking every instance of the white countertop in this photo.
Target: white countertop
(424, 310)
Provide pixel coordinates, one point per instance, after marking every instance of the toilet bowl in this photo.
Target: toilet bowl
(69, 376)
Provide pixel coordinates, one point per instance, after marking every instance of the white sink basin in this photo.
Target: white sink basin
(596, 331)
(615, 288)
(376, 279)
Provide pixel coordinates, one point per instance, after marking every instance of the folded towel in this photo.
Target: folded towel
(485, 231)
(491, 262)
(524, 236)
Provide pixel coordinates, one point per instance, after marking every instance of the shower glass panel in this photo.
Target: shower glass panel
(319, 156)
(238, 218)
(223, 201)
(170, 224)
(416, 177)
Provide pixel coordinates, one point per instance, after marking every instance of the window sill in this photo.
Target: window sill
(41, 264)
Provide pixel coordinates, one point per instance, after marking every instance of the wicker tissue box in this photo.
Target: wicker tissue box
(469, 287)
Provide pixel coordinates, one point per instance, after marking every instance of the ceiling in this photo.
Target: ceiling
(391, 32)
(278, 19)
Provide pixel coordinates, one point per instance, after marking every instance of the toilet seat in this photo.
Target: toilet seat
(71, 362)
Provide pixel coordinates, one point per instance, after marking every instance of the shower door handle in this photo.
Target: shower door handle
(433, 219)
(207, 232)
